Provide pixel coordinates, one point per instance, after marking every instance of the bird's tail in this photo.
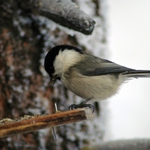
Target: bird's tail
(137, 73)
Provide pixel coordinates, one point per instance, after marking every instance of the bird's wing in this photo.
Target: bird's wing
(97, 66)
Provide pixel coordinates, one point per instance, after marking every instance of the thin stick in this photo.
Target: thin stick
(26, 124)
(54, 133)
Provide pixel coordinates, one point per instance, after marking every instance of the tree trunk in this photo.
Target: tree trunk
(25, 38)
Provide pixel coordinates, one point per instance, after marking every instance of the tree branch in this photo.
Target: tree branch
(28, 123)
(63, 12)
(129, 144)
(68, 14)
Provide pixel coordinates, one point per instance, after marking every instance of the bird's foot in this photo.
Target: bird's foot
(82, 105)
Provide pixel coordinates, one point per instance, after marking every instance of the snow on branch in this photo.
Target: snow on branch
(126, 144)
(9, 127)
(63, 12)
(67, 14)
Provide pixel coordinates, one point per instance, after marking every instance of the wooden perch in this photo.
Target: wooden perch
(27, 123)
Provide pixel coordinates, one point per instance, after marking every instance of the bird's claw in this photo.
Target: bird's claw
(82, 105)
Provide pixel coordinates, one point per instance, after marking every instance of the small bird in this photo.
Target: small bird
(88, 76)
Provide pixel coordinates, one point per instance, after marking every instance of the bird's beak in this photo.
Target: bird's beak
(53, 79)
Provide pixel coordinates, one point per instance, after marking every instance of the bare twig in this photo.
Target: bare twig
(10, 127)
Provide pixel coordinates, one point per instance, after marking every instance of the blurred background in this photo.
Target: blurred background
(129, 45)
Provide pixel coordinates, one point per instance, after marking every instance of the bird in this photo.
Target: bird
(88, 76)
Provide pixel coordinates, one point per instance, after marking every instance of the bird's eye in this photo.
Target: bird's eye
(58, 78)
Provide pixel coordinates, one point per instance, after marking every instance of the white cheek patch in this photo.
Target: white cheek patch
(64, 60)
(58, 64)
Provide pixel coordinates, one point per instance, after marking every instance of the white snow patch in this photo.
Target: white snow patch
(27, 72)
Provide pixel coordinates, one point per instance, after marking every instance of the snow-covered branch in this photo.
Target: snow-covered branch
(63, 12)
(130, 144)
(68, 14)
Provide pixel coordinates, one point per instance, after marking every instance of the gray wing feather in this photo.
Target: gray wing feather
(96, 66)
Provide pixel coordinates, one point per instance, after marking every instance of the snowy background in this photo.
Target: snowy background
(129, 45)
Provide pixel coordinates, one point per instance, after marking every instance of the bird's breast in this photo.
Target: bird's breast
(95, 87)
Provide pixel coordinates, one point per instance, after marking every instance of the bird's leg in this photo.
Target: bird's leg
(82, 105)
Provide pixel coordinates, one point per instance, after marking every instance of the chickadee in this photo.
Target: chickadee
(87, 76)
